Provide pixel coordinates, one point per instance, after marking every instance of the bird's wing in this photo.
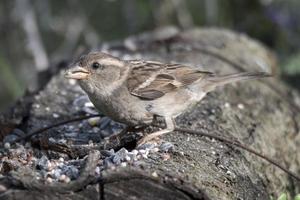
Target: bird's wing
(151, 80)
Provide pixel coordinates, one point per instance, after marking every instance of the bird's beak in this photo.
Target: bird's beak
(78, 73)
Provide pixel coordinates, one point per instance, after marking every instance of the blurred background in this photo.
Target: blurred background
(36, 35)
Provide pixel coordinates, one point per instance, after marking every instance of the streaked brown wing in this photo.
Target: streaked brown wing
(151, 80)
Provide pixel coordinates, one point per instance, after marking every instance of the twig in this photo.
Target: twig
(238, 144)
(53, 126)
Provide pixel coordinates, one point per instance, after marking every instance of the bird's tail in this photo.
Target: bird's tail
(215, 81)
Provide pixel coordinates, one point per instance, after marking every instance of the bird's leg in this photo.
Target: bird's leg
(170, 126)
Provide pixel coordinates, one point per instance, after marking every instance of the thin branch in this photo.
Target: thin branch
(39, 131)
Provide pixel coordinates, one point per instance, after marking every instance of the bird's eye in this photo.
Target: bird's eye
(96, 65)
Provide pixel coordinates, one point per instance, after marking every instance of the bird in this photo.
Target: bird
(134, 92)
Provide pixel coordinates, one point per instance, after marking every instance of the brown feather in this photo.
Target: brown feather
(151, 80)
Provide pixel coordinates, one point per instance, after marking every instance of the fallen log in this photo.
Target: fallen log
(263, 115)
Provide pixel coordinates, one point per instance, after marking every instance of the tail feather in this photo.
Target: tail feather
(215, 81)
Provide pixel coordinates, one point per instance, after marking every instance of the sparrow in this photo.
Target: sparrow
(133, 92)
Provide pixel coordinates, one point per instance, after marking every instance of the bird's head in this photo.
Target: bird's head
(98, 71)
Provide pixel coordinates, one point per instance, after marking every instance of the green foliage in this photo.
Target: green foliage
(292, 66)
(9, 83)
(297, 197)
(283, 196)
(9, 78)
